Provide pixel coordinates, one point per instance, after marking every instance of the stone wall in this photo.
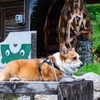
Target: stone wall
(85, 51)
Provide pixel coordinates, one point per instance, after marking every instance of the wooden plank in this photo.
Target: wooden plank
(12, 3)
(6, 0)
(28, 87)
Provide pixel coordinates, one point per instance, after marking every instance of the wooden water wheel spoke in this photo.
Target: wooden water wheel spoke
(77, 28)
(78, 12)
(81, 19)
(68, 40)
(75, 19)
(66, 18)
(73, 16)
(74, 7)
(69, 8)
(63, 29)
(84, 23)
(79, 16)
(79, 24)
(73, 29)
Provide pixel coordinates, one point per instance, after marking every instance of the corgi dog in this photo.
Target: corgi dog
(66, 61)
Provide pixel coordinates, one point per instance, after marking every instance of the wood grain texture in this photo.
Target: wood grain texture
(71, 91)
(77, 90)
(28, 87)
(33, 45)
(12, 8)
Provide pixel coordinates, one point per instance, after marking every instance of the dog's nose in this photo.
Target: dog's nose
(81, 64)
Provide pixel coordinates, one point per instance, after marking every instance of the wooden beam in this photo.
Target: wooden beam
(6, 0)
(28, 87)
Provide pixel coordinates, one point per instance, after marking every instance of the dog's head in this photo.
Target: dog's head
(70, 58)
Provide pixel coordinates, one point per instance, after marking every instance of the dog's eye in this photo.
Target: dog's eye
(74, 58)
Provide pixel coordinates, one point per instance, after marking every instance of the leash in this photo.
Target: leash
(50, 62)
(56, 79)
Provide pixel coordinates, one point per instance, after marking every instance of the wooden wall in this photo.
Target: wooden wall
(12, 8)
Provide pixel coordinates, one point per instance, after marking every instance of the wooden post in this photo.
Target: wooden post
(77, 90)
(33, 45)
(2, 25)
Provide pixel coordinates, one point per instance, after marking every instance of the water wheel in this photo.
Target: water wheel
(66, 22)
(74, 21)
(51, 27)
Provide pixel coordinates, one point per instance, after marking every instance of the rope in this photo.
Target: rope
(56, 79)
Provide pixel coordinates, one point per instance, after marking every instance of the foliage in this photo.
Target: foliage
(94, 10)
(96, 30)
(94, 67)
(98, 50)
(98, 18)
(89, 68)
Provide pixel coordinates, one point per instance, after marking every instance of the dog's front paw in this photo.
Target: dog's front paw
(14, 79)
(79, 79)
(67, 80)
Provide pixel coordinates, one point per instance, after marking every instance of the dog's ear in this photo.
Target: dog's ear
(73, 49)
(63, 50)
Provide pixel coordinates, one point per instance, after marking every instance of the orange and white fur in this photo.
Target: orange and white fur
(27, 70)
